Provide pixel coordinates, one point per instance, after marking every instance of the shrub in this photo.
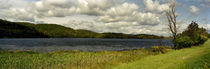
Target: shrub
(202, 39)
(199, 39)
(160, 49)
(184, 42)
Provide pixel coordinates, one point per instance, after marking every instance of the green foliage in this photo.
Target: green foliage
(192, 36)
(208, 35)
(28, 30)
(184, 42)
(202, 39)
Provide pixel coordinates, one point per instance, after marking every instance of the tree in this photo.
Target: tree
(191, 29)
(192, 36)
(172, 23)
(198, 35)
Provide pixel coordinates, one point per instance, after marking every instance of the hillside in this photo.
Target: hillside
(13, 30)
(28, 30)
(53, 30)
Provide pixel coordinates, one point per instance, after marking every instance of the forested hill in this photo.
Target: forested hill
(28, 30)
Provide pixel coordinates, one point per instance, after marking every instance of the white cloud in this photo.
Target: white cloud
(155, 6)
(4, 5)
(129, 12)
(57, 3)
(118, 27)
(94, 15)
(89, 23)
(59, 8)
(94, 7)
(17, 14)
(194, 10)
(16, 10)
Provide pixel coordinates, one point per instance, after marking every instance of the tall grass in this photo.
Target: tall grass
(68, 59)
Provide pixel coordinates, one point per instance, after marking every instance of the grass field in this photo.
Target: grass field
(190, 58)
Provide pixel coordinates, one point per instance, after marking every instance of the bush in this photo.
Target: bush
(183, 42)
(199, 39)
(192, 36)
(202, 39)
(160, 49)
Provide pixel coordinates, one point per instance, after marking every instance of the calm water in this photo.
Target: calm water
(84, 44)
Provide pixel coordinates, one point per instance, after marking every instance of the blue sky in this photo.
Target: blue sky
(120, 16)
(204, 12)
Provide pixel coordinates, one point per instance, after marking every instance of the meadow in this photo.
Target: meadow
(190, 58)
(68, 59)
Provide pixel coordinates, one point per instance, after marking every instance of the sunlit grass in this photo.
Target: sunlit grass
(190, 58)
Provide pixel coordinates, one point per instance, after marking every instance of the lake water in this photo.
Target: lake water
(83, 44)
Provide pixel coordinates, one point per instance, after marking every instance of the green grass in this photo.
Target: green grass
(190, 58)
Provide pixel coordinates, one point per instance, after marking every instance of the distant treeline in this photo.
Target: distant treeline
(28, 30)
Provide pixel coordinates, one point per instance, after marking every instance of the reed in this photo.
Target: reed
(68, 59)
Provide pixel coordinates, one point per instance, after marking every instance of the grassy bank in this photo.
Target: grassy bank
(190, 58)
(68, 60)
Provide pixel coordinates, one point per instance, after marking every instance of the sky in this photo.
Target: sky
(119, 16)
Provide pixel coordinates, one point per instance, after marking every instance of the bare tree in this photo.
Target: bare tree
(172, 23)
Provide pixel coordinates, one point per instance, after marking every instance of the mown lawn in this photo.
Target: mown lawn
(190, 58)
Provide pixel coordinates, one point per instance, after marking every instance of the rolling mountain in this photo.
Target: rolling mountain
(28, 30)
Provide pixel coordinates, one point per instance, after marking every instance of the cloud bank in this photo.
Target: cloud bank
(94, 15)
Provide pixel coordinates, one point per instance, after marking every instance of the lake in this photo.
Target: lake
(83, 44)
